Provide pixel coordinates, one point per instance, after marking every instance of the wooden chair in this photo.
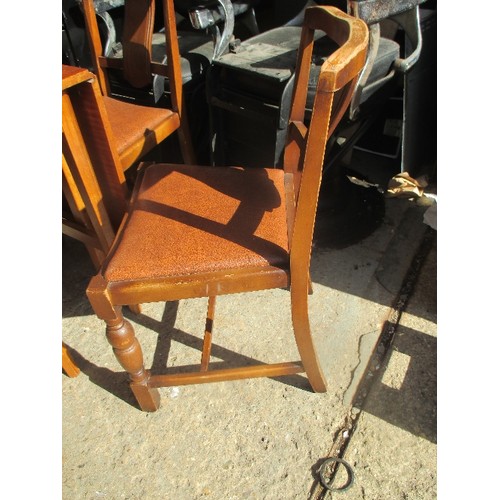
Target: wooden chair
(68, 365)
(93, 183)
(137, 128)
(94, 187)
(194, 231)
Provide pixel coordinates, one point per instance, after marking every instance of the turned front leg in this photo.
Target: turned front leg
(120, 334)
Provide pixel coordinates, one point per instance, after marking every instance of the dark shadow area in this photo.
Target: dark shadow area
(347, 213)
(410, 403)
(115, 383)
(399, 383)
(77, 270)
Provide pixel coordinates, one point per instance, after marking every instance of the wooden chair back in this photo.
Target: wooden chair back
(136, 62)
(306, 143)
(94, 185)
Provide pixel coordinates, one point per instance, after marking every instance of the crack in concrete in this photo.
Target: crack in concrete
(364, 341)
(343, 434)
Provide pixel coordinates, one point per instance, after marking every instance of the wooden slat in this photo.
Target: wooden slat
(271, 370)
(207, 338)
(83, 174)
(95, 44)
(79, 232)
(71, 76)
(68, 364)
(216, 283)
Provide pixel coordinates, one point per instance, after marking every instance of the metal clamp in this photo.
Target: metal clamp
(203, 18)
(328, 483)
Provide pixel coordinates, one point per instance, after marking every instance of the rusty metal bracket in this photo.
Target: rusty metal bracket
(329, 468)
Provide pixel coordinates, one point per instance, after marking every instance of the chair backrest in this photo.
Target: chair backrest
(93, 180)
(305, 149)
(136, 63)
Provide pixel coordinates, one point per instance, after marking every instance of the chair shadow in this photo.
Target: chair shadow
(116, 383)
(167, 334)
(410, 403)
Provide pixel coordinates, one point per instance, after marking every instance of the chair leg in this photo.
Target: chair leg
(135, 308)
(120, 334)
(207, 339)
(303, 338)
(68, 365)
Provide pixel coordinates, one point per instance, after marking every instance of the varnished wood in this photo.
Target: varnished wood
(221, 375)
(95, 127)
(207, 338)
(128, 352)
(68, 364)
(190, 286)
(137, 42)
(82, 188)
(89, 222)
(275, 203)
(93, 183)
(137, 67)
(77, 224)
(95, 45)
(72, 76)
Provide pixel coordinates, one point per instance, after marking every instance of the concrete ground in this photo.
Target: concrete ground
(374, 321)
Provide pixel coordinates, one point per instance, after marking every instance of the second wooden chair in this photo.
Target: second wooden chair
(137, 128)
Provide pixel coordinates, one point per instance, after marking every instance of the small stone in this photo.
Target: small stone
(174, 392)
